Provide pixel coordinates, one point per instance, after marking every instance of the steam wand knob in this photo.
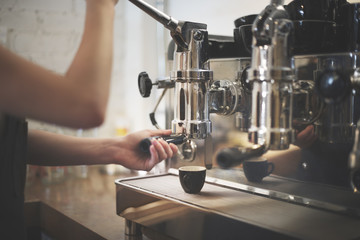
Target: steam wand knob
(144, 84)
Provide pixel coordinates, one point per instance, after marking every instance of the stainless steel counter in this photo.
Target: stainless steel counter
(237, 209)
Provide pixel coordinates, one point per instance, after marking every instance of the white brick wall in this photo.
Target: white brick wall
(48, 33)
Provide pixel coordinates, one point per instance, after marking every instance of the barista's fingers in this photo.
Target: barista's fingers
(306, 137)
(166, 147)
(306, 133)
(312, 138)
(174, 148)
(160, 132)
(154, 159)
(159, 148)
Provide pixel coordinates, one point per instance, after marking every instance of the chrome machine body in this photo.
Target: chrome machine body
(272, 76)
(231, 99)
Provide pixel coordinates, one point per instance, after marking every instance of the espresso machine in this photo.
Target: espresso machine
(235, 99)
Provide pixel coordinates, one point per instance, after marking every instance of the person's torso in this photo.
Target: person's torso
(13, 148)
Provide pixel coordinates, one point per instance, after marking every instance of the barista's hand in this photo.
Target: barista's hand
(130, 156)
(112, 1)
(115, 1)
(306, 137)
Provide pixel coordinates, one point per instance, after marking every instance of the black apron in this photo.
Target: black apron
(13, 148)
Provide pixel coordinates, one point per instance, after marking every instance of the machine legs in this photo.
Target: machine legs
(132, 230)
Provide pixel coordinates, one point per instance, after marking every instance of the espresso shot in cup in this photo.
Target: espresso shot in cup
(258, 168)
(192, 178)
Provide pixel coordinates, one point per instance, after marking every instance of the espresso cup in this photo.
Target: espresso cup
(256, 169)
(192, 178)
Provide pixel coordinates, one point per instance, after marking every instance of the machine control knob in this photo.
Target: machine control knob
(244, 79)
(144, 84)
(333, 86)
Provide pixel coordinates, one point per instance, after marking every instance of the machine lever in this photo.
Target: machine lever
(168, 22)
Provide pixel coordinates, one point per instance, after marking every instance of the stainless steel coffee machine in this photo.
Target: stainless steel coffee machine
(253, 96)
(288, 78)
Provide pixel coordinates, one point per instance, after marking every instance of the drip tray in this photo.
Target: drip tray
(219, 211)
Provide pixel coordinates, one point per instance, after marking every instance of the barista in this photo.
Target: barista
(311, 159)
(288, 161)
(77, 99)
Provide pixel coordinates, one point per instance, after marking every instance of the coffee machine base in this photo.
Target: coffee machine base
(276, 208)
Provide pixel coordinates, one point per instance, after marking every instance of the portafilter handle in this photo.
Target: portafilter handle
(231, 157)
(145, 144)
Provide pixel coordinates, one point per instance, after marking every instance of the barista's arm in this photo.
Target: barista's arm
(77, 99)
(50, 149)
(287, 161)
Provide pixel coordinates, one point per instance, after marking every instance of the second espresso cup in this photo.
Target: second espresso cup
(192, 178)
(256, 169)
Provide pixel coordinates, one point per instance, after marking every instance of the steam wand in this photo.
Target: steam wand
(152, 114)
(145, 85)
(354, 162)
